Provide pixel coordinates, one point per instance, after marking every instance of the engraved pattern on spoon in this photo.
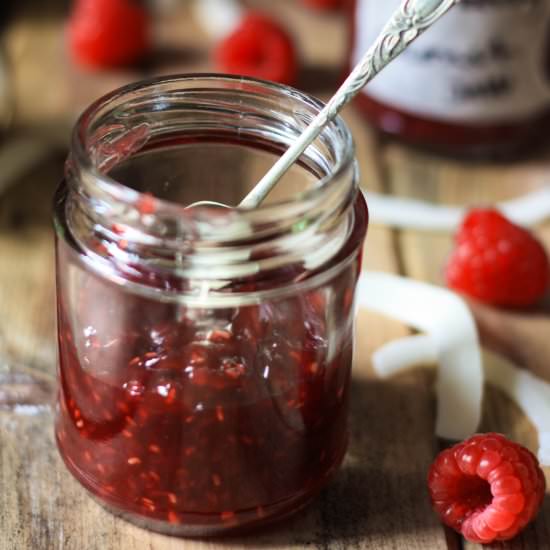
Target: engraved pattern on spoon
(411, 19)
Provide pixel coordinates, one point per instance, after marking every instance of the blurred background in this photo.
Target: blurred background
(58, 56)
(51, 69)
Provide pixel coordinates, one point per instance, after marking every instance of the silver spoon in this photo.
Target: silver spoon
(407, 23)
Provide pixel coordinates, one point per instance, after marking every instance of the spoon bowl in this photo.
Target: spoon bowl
(208, 203)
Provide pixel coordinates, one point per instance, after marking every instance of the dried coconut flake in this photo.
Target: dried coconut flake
(531, 393)
(528, 210)
(445, 317)
(403, 354)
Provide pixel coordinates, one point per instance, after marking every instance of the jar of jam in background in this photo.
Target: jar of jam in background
(205, 353)
(475, 83)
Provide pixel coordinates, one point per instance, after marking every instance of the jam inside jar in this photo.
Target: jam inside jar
(205, 353)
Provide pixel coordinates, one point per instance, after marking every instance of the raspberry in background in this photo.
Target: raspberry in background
(487, 488)
(497, 262)
(261, 48)
(327, 5)
(108, 33)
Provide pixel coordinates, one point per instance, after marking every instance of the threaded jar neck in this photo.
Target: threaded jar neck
(125, 207)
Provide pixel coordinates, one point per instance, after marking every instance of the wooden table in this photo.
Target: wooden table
(378, 500)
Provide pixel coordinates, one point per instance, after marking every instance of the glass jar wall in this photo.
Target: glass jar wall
(204, 353)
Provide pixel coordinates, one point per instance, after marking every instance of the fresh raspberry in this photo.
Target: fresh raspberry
(497, 262)
(108, 33)
(259, 48)
(487, 487)
(324, 4)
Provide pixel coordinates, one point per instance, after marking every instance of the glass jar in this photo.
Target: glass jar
(477, 82)
(204, 353)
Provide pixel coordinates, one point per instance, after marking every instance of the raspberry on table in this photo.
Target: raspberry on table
(260, 48)
(498, 262)
(487, 488)
(108, 33)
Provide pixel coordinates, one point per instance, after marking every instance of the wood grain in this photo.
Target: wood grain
(378, 499)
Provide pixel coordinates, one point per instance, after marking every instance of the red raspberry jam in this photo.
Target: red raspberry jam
(196, 414)
(231, 419)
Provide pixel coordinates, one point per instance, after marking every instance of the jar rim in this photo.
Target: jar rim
(121, 192)
(107, 223)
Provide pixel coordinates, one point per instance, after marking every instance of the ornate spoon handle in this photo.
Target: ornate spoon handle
(408, 22)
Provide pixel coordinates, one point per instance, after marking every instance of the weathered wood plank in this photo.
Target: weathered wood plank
(376, 501)
(404, 429)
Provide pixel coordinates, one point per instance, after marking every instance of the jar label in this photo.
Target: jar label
(485, 61)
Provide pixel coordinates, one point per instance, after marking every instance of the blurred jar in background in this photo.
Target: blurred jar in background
(476, 83)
